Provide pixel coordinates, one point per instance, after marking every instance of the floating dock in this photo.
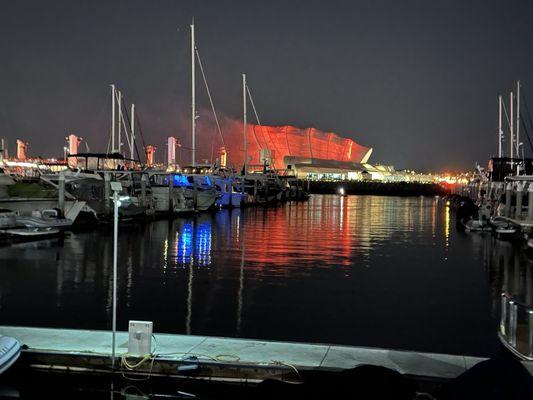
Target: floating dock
(222, 358)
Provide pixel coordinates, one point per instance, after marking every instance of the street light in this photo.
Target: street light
(116, 187)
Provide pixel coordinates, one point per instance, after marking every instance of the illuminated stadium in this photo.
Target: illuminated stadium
(291, 147)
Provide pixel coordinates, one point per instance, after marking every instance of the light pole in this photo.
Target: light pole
(116, 187)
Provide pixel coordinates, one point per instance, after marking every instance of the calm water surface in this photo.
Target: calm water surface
(361, 270)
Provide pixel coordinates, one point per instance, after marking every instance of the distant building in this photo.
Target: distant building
(22, 150)
(150, 155)
(223, 157)
(3, 149)
(73, 143)
(172, 145)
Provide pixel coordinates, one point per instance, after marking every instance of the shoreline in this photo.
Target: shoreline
(404, 189)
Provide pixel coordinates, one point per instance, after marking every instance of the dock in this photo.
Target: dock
(225, 359)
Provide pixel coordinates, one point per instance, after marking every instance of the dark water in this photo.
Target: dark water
(361, 270)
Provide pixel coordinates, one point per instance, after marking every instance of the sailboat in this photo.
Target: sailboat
(225, 184)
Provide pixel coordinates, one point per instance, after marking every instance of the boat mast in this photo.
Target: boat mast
(132, 142)
(119, 144)
(193, 105)
(518, 119)
(500, 133)
(244, 122)
(113, 123)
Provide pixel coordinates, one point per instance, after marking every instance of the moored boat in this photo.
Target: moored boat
(31, 233)
(51, 218)
(9, 352)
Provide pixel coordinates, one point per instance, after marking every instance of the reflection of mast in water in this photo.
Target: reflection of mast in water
(242, 236)
(188, 318)
(186, 256)
(129, 272)
(107, 276)
(59, 278)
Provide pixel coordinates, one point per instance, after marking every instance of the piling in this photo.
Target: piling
(513, 309)
(508, 190)
(107, 192)
(195, 191)
(170, 194)
(530, 202)
(61, 192)
(519, 195)
(143, 189)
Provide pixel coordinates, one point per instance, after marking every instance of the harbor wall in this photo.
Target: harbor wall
(378, 188)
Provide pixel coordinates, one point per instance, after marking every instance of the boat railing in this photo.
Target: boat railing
(516, 325)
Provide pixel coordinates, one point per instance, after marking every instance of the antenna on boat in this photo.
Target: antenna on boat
(244, 122)
(193, 105)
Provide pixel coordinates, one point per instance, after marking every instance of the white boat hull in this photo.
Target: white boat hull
(31, 232)
(36, 222)
(9, 352)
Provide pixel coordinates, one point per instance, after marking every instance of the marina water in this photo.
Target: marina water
(387, 272)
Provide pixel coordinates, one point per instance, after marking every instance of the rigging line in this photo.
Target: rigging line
(506, 115)
(121, 113)
(108, 145)
(255, 136)
(209, 95)
(529, 118)
(527, 132)
(137, 119)
(253, 105)
(129, 124)
(121, 118)
(258, 122)
(527, 109)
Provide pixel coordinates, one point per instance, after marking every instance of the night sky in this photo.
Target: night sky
(416, 80)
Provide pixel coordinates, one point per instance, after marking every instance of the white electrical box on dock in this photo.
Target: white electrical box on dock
(140, 338)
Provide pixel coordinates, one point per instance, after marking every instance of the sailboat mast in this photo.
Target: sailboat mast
(518, 119)
(244, 123)
(132, 141)
(120, 117)
(193, 99)
(500, 133)
(113, 123)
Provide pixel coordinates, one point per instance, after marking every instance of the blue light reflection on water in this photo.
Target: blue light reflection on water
(185, 244)
(193, 245)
